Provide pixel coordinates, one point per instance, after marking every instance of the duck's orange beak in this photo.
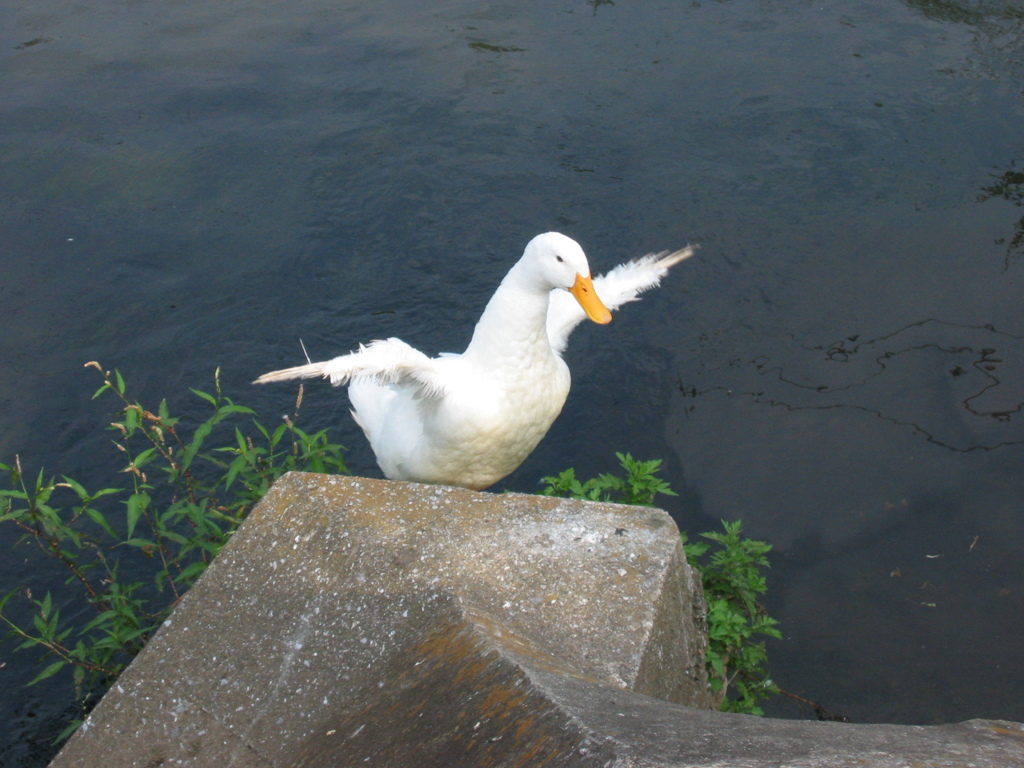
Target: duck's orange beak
(583, 290)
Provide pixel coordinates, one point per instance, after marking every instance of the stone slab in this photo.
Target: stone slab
(331, 580)
(354, 622)
(640, 732)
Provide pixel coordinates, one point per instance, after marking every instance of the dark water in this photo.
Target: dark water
(189, 185)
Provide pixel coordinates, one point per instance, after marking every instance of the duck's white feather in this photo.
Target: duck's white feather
(471, 419)
(387, 361)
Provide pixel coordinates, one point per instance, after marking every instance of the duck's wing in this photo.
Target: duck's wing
(389, 361)
(619, 286)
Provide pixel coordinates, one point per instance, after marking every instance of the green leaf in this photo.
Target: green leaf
(190, 573)
(76, 487)
(97, 517)
(140, 543)
(50, 671)
(136, 633)
(131, 419)
(208, 398)
(240, 463)
(278, 434)
(201, 433)
(73, 726)
(8, 596)
(243, 446)
(103, 618)
(143, 457)
(177, 538)
(137, 504)
(226, 410)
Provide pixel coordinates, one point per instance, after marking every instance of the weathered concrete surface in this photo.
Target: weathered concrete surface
(471, 695)
(361, 622)
(331, 578)
(640, 732)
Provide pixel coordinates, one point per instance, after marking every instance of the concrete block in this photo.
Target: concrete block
(364, 622)
(332, 578)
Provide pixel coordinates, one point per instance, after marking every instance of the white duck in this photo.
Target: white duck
(471, 419)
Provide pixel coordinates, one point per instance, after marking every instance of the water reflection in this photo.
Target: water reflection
(1009, 186)
(958, 386)
(972, 13)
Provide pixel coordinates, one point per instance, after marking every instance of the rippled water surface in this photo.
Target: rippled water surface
(189, 185)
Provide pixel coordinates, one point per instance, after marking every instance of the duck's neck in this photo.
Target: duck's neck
(514, 323)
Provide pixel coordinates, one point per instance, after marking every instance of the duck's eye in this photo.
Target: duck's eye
(560, 259)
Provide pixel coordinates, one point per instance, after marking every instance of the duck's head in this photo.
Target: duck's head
(557, 261)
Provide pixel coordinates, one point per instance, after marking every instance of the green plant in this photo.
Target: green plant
(136, 548)
(639, 486)
(731, 576)
(732, 583)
